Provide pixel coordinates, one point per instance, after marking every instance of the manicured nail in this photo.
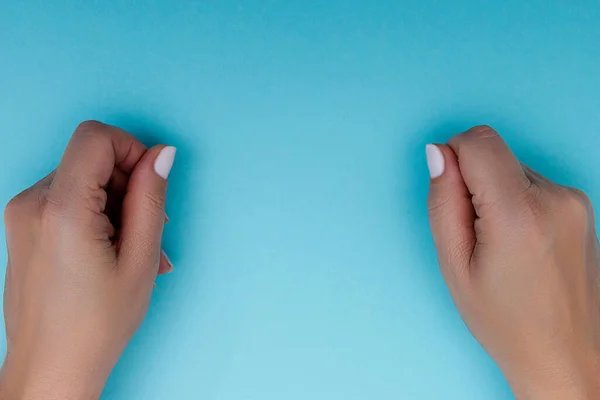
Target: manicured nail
(164, 161)
(169, 263)
(435, 160)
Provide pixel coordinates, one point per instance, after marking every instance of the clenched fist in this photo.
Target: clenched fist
(84, 249)
(521, 258)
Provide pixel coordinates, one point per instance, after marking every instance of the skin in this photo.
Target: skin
(518, 252)
(521, 259)
(84, 249)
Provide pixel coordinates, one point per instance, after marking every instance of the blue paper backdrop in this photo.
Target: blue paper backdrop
(304, 264)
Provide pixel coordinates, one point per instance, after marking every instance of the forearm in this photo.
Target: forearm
(18, 381)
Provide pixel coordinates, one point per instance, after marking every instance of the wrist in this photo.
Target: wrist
(576, 381)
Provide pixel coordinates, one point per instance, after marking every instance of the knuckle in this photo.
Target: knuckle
(89, 126)
(575, 204)
(481, 132)
(12, 209)
(93, 133)
(19, 207)
(582, 197)
(471, 138)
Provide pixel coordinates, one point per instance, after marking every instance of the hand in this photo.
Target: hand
(84, 248)
(521, 259)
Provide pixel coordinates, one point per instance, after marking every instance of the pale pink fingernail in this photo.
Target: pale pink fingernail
(435, 160)
(169, 263)
(164, 161)
(167, 219)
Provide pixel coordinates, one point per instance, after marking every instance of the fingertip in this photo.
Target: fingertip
(442, 163)
(164, 161)
(446, 181)
(435, 160)
(166, 266)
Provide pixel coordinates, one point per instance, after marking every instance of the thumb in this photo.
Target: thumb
(143, 211)
(451, 213)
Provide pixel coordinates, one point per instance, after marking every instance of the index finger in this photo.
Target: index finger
(94, 151)
(490, 170)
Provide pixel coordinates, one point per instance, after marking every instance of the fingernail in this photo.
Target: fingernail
(164, 161)
(435, 160)
(166, 257)
(167, 219)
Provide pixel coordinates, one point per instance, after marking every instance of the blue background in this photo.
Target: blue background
(304, 264)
